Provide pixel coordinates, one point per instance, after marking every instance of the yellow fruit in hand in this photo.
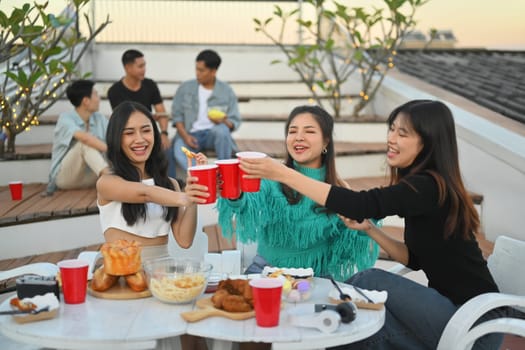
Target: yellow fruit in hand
(216, 114)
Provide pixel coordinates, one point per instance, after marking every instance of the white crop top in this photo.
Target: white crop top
(154, 226)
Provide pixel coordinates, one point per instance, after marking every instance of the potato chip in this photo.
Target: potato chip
(187, 152)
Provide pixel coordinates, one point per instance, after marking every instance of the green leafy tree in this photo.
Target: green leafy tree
(39, 53)
(342, 42)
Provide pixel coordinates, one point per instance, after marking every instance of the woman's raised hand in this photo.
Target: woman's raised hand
(365, 225)
(266, 167)
(195, 191)
(197, 194)
(200, 158)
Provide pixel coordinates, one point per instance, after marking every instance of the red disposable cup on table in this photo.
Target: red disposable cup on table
(74, 276)
(207, 176)
(267, 300)
(229, 171)
(16, 188)
(249, 185)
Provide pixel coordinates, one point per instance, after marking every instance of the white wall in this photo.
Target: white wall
(177, 62)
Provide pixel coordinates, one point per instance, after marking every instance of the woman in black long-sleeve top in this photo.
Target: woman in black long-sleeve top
(440, 220)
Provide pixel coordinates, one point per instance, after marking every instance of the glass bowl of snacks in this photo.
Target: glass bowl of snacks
(297, 282)
(176, 281)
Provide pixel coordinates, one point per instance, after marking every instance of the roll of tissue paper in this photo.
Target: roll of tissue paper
(326, 321)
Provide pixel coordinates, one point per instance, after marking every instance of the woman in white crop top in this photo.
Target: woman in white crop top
(138, 201)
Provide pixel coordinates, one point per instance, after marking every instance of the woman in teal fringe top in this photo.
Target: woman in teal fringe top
(291, 230)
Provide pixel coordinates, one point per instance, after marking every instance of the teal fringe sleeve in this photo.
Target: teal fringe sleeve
(300, 235)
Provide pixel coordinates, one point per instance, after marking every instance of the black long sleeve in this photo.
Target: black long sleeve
(454, 267)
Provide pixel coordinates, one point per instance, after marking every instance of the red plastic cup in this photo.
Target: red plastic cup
(267, 300)
(207, 176)
(16, 190)
(229, 171)
(74, 273)
(249, 185)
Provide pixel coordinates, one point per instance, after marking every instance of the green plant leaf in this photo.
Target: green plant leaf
(4, 21)
(306, 24)
(52, 51)
(278, 11)
(34, 77)
(12, 76)
(329, 45)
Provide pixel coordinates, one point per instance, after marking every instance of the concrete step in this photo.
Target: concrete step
(268, 103)
(270, 126)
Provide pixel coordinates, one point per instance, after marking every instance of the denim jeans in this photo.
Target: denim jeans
(257, 265)
(415, 314)
(218, 138)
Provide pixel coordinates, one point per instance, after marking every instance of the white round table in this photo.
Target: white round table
(139, 323)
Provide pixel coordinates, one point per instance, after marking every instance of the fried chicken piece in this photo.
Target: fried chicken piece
(235, 303)
(247, 295)
(218, 297)
(233, 296)
(234, 287)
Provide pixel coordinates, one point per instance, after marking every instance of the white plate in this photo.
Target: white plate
(293, 272)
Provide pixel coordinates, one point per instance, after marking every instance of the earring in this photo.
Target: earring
(325, 151)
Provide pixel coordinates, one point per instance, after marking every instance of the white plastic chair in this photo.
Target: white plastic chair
(505, 265)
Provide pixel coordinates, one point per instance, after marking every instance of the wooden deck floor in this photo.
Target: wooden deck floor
(33, 207)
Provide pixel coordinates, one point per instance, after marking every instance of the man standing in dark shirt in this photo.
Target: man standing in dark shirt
(134, 86)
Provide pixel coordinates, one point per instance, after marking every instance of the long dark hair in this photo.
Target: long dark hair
(326, 123)
(156, 165)
(433, 122)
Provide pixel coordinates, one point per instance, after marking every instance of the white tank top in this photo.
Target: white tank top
(154, 225)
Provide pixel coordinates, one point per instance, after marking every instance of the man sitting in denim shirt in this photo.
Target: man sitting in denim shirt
(205, 112)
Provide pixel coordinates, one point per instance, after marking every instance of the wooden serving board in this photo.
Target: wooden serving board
(119, 291)
(208, 310)
(360, 304)
(46, 315)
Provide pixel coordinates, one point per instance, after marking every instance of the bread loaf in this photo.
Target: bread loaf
(137, 281)
(102, 281)
(121, 257)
